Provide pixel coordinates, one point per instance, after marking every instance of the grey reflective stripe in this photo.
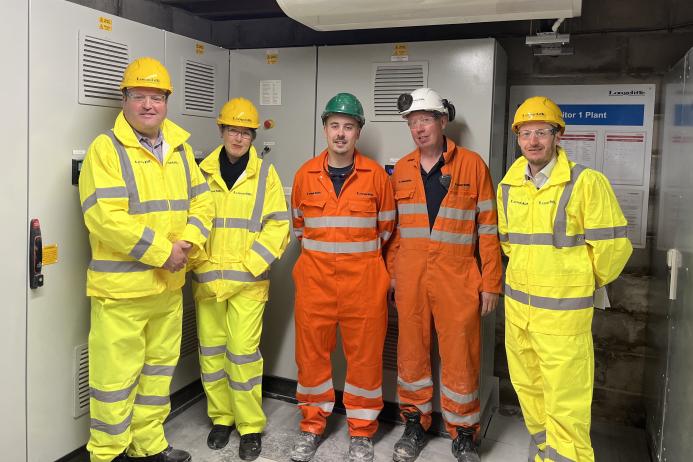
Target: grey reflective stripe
(534, 442)
(218, 223)
(150, 400)
(460, 398)
(111, 266)
(456, 214)
(600, 234)
(198, 224)
(362, 392)
(261, 250)
(116, 192)
(112, 396)
(138, 208)
(325, 405)
(530, 239)
(298, 232)
(255, 224)
(487, 229)
(214, 376)
(296, 213)
(340, 222)
(387, 215)
(485, 206)
(385, 235)
(425, 408)
(234, 223)
(88, 203)
(505, 188)
(411, 233)
(243, 359)
(539, 438)
(451, 238)
(199, 189)
(553, 455)
(149, 369)
(572, 303)
(143, 244)
(246, 386)
(415, 386)
(363, 414)
(229, 275)
(213, 350)
(279, 216)
(457, 419)
(316, 390)
(179, 205)
(412, 209)
(503, 237)
(111, 429)
(341, 247)
(186, 167)
(125, 170)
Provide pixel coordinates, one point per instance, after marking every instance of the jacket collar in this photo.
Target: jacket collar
(560, 173)
(210, 165)
(448, 155)
(172, 133)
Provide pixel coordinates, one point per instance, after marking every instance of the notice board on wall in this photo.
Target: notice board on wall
(609, 129)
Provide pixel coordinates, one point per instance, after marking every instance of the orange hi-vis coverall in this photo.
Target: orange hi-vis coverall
(437, 275)
(341, 279)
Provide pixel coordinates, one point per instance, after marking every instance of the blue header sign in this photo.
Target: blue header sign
(604, 114)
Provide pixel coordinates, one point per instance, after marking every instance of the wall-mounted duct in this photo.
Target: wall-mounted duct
(369, 14)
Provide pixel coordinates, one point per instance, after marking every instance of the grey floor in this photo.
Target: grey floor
(505, 438)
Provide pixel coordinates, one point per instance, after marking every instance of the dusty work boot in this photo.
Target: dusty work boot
(219, 436)
(412, 441)
(167, 455)
(463, 447)
(360, 449)
(305, 446)
(250, 446)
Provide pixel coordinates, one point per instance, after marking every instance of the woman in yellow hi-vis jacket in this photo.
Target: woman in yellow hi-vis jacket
(565, 235)
(250, 230)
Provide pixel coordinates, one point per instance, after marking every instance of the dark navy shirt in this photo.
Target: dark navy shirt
(434, 188)
(230, 172)
(338, 175)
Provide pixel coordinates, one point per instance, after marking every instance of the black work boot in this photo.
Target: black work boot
(463, 447)
(167, 455)
(412, 441)
(219, 436)
(250, 446)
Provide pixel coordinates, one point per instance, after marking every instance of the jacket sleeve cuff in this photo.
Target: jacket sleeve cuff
(255, 263)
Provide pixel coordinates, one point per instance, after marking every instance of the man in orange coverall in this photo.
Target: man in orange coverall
(343, 211)
(446, 212)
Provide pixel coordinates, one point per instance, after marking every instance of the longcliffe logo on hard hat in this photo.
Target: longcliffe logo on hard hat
(241, 119)
(149, 78)
(534, 114)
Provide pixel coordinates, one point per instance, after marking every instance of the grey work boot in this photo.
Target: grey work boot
(409, 446)
(463, 447)
(305, 446)
(360, 449)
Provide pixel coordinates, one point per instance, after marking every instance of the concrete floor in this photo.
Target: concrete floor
(506, 439)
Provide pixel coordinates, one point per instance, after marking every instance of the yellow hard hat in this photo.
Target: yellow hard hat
(146, 72)
(239, 112)
(539, 109)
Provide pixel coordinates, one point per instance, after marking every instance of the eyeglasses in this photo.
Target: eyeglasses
(139, 98)
(234, 132)
(539, 132)
(421, 122)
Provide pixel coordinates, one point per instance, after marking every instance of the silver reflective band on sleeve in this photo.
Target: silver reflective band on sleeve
(150, 400)
(296, 213)
(255, 224)
(116, 192)
(326, 406)
(341, 247)
(362, 414)
(451, 238)
(199, 189)
(214, 376)
(572, 303)
(143, 244)
(412, 209)
(229, 275)
(246, 386)
(487, 230)
(485, 206)
(414, 233)
(386, 215)
(263, 252)
(600, 234)
(279, 216)
(198, 224)
(316, 390)
(243, 359)
(339, 222)
(148, 369)
(552, 454)
(112, 396)
(111, 429)
(179, 205)
(460, 398)
(213, 350)
(362, 392)
(457, 419)
(110, 266)
(456, 214)
(415, 386)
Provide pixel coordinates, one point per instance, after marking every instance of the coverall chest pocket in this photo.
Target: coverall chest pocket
(312, 211)
(363, 221)
(406, 206)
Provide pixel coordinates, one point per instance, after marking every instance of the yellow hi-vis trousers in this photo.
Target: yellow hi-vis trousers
(553, 376)
(134, 346)
(231, 363)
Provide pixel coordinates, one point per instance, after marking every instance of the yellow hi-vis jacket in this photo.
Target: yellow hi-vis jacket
(250, 231)
(135, 208)
(563, 241)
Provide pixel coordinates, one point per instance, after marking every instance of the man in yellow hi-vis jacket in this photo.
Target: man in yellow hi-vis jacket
(146, 205)
(565, 236)
(231, 281)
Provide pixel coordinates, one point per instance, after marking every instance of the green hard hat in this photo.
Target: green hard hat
(344, 103)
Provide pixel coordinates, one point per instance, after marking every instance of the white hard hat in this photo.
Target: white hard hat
(424, 99)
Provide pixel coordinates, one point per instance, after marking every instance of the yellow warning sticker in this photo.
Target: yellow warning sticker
(105, 23)
(272, 56)
(400, 52)
(200, 48)
(50, 254)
